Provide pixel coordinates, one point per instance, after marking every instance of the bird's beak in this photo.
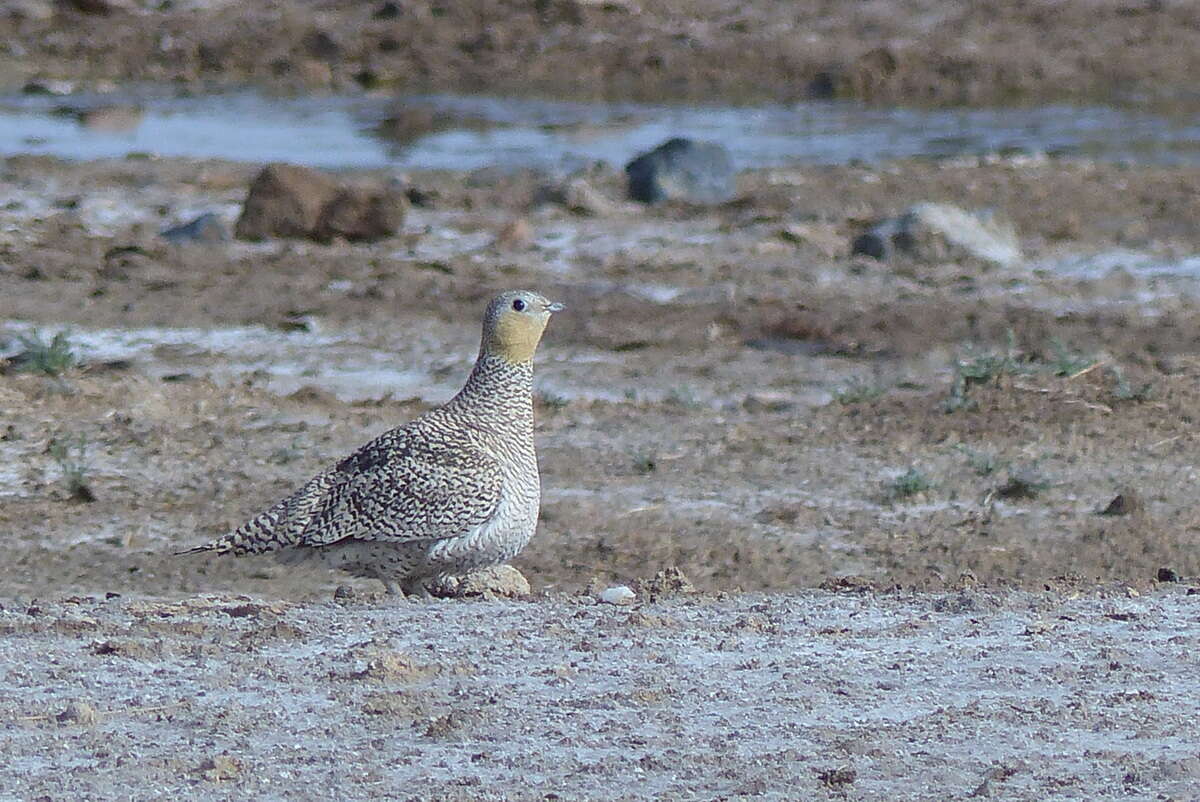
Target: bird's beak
(555, 307)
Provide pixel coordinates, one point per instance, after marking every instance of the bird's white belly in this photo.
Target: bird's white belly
(494, 542)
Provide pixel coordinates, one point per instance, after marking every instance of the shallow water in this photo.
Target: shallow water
(474, 132)
(355, 365)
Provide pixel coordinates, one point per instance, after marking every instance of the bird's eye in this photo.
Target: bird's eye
(519, 305)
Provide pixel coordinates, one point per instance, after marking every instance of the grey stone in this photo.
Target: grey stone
(362, 214)
(939, 232)
(208, 227)
(29, 9)
(684, 170)
(78, 712)
(497, 581)
(578, 195)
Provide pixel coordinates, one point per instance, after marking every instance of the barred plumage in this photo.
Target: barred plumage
(454, 490)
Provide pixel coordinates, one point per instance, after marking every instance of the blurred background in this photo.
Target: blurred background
(893, 292)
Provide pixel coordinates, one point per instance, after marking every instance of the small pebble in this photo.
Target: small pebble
(618, 594)
(1127, 502)
(78, 712)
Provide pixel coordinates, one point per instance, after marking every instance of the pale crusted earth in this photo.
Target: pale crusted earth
(817, 695)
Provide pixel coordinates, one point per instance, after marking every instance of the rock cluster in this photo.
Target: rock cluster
(290, 201)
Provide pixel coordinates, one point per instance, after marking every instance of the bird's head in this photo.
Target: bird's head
(513, 324)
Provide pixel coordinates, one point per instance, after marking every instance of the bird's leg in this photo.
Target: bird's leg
(415, 589)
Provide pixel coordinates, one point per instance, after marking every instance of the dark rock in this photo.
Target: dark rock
(98, 7)
(823, 86)
(938, 232)
(285, 201)
(321, 45)
(205, 228)
(388, 10)
(684, 170)
(419, 197)
(876, 243)
(367, 79)
(78, 712)
(290, 201)
(836, 777)
(1167, 575)
(1127, 502)
(362, 214)
(667, 582)
(1023, 483)
(212, 57)
(48, 87)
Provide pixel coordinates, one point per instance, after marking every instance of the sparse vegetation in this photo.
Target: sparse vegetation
(549, 400)
(286, 454)
(858, 391)
(1023, 483)
(683, 396)
(990, 367)
(982, 368)
(71, 456)
(907, 484)
(1124, 391)
(983, 463)
(646, 462)
(52, 358)
(1066, 362)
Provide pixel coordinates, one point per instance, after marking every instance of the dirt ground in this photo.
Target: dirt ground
(815, 695)
(729, 392)
(911, 51)
(941, 516)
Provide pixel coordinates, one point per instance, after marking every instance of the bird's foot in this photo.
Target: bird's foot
(416, 590)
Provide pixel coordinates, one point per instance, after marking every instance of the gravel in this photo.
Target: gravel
(814, 695)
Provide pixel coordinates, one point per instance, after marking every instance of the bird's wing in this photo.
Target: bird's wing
(399, 488)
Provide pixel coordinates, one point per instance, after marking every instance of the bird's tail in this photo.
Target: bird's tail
(253, 537)
(206, 547)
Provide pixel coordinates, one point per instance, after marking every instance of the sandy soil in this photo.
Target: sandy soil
(688, 402)
(731, 392)
(915, 51)
(815, 696)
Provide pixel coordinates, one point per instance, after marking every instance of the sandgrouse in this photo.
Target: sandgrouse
(452, 491)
